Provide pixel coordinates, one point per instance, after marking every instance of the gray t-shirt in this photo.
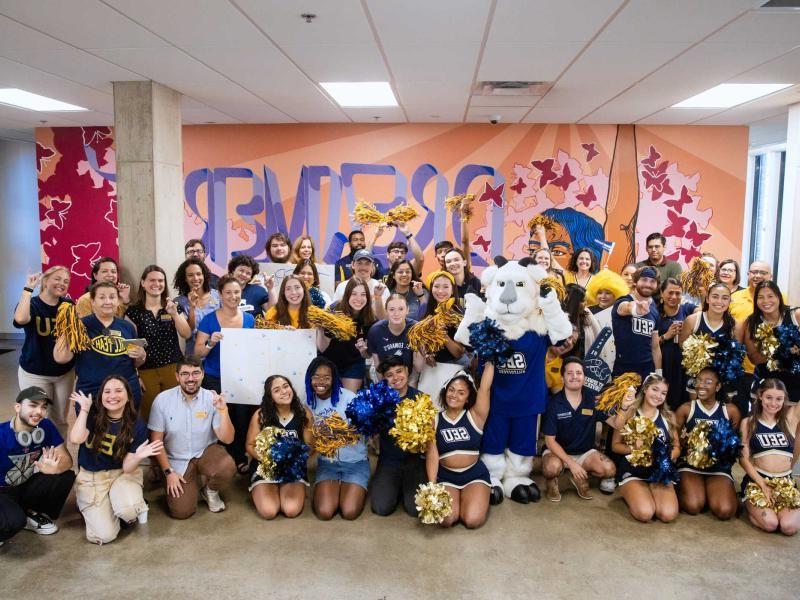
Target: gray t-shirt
(188, 426)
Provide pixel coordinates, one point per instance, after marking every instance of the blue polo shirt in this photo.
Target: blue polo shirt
(574, 429)
(633, 335)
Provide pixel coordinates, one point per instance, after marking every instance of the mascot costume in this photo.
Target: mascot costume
(528, 318)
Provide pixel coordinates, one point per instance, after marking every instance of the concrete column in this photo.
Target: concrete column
(789, 272)
(149, 150)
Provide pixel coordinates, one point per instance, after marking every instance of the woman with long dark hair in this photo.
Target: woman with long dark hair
(582, 266)
(455, 261)
(672, 313)
(307, 271)
(159, 321)
(197, 298)
(403, 280)
(291, 309)
(583, 322)
(112, 443)
(350, 356)
(342, 481)
(282, 408)
(442, 286)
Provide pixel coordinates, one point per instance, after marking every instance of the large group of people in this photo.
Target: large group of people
(148, 389)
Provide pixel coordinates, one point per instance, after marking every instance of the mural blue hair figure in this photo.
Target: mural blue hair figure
(583, 230)
(336, 384)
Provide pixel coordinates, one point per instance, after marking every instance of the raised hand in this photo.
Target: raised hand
(171, 308)
(218, 401)
(149, 449)
(33, 280)
(48, 461)
(628, 399)
(82, 401)
(124, 292)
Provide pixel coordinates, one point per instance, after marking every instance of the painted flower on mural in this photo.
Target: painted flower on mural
(56, 215)
(43, 156)
(111, 213)
(492, 194)
(675, 213)
(84, 255)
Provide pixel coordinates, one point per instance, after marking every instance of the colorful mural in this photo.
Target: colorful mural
(603, 184)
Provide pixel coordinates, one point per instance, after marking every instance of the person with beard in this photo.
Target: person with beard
(190, 420)
(278, 248)
(633, 321)
(656, 245)
(35, 475)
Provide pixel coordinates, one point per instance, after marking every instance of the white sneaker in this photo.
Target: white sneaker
(608, 485)
(142, 518)
(215, 503)
(40, 524)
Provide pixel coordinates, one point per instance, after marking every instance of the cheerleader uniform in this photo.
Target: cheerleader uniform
(698, 414)
(761, 372)
(765, 441)
(294, 428)
(461, 436)
(627, 472)
(700, 327)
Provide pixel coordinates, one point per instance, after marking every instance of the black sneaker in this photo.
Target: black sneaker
(40, 524)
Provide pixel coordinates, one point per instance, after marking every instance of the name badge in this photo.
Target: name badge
(200, 414)
(587, 411)
(115, 333)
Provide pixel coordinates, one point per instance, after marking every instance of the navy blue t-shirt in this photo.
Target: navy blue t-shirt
(253, 297)
(390, 451)
(664, 321)
(107, 354)
(574, 429)
(37, 351)
(633, 335)
(104, 460)
(519, 388)
(381, 341)
(17, 462)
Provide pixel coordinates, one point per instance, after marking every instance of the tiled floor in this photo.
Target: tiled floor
(575, 549)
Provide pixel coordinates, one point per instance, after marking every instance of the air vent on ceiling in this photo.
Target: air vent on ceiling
(782, 4)
(512, 88)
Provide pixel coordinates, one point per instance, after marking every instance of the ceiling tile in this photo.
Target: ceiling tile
(548, 21)
(15, 36)
(433, 62)
(526, 61)
(677, 116)
(759, 26)
(508, 114)
(784, 69)
(426, 22)
(553, 115)
(771, 130)
(339, 62)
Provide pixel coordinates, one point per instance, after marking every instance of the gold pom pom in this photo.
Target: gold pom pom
(400, 214)
(264, 440)
(785, 494)
(543, 220)
(610, 399)
(767, 344)
(263, 323)
(697, 446)
(430, 334)
(69, 324)
(697, 278)
(697, 353)
(333, 433)
(434, 503)
(556, 285)
(462, 204)
(640, 428)
(340, 325)
(366, 214)
(414, 423)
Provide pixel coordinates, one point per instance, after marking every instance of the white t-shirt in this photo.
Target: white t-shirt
(339, 293)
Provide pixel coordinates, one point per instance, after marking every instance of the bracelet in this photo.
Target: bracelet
(27, 289)
(222, 410)
(409, 236)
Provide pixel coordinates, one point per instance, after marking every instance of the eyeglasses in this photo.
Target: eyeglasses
(194, 252)
(186, 375)
(764, 273)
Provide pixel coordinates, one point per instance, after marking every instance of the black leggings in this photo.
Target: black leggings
(393, 480)
(41, 493)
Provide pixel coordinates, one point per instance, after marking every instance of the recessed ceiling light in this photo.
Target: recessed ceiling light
(731, 94)
(30, 101)
(361, 93)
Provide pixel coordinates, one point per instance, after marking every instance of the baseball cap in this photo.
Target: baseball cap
(363, 253)
(649, 272)
(33, 393)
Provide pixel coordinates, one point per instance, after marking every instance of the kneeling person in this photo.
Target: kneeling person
(190, 420)
(569, 427)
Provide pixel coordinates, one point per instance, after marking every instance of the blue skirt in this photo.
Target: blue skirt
(477, 473)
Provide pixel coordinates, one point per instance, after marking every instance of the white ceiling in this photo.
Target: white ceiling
(257, 61)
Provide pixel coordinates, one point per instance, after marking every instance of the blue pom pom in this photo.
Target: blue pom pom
(489, 341)
(728, 359)
(316, 297)
(663, 469)
(788, 337)
(290, 456)
(724, 444)
(372, 411)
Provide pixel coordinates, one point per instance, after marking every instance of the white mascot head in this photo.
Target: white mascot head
(513, 300)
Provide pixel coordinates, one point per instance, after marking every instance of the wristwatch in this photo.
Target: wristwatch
(409, 236)
(168, 471)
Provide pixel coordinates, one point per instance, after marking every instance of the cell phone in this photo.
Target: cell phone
(137, 342)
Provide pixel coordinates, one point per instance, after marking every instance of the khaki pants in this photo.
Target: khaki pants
(105, 497)
(155, 381)
(57, 388)
(215, 466)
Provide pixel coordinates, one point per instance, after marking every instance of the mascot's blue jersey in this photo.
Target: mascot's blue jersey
(519, 388)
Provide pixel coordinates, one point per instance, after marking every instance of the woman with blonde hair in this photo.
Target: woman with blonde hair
(303, 249)
(36, 315)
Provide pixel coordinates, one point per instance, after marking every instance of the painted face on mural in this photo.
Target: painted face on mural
(560, 243)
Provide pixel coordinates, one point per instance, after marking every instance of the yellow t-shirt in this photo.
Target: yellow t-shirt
(552, 374)
(294, 316)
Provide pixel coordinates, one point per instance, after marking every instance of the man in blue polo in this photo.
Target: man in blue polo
(633, 321)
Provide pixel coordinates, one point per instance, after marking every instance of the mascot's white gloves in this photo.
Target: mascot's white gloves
(558, 326)
(474, 311)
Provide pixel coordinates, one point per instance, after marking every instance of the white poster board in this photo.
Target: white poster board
(432, 379)
(281, 270)
(249, 356)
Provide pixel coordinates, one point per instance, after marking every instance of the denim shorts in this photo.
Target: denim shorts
(346, 472)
